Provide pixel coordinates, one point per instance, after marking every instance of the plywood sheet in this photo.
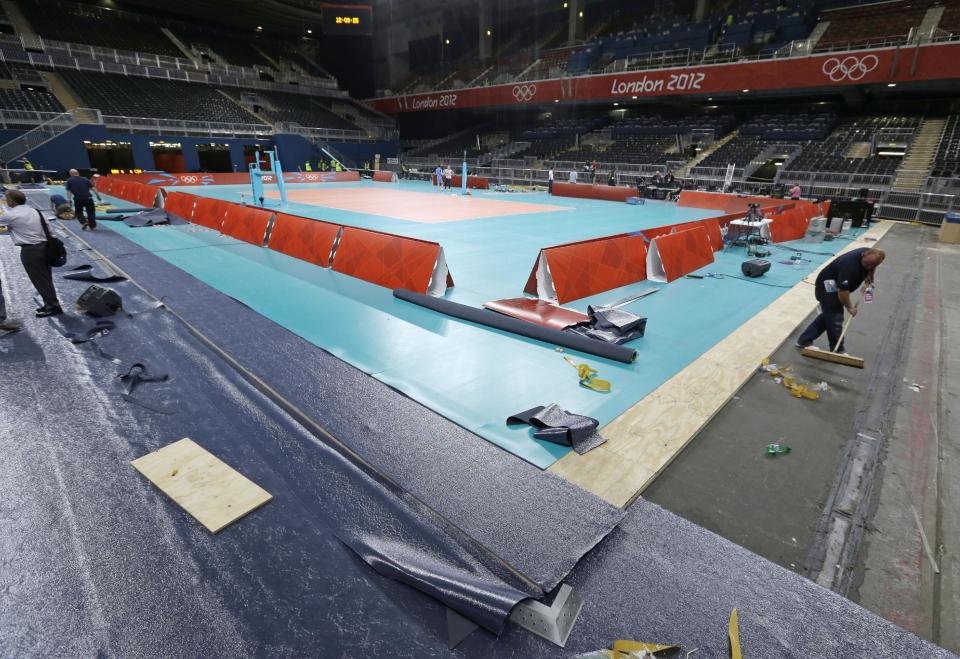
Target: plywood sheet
(645, 439)
(202, 484)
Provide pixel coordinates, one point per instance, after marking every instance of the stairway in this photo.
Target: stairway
(930, 22)
(816, 33)
(67, 97)
(915, 167)
(857, 150)
(685, 170)
(25, 143)
(21, 25)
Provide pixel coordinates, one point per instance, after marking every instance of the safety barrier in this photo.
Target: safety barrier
(385, 177)
(305, 239)
(673, 255)
(180, 204)
(729, 203)
(246, 223)
(209, 212)
(473, 182)
(587, 191)
(164, 179)
(392, 261)
(576, 270)
(132, 191)
(712, 225)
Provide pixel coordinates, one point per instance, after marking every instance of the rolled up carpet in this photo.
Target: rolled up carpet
(507, 324)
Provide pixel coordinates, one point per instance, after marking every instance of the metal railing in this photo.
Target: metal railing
(181, 127)
(321, 134)
(48, 130)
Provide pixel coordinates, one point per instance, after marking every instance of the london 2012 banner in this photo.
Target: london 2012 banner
(826, 70)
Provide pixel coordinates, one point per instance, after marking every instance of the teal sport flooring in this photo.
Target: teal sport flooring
(473, 375)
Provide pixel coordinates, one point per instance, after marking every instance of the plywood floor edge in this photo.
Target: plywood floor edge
(646, 438)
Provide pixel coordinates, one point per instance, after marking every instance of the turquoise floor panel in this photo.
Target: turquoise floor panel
(473, 375)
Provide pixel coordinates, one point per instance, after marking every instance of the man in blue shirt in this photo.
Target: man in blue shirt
(82, 191)
(438, 173)
(835, 282)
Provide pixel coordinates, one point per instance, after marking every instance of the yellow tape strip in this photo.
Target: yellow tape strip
(733, 631)
(586, 373)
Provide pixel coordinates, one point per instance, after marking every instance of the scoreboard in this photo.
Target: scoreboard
(347, 19)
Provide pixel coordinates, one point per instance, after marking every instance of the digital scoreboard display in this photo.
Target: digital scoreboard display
(347, 19)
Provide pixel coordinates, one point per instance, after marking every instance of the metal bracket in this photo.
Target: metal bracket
(553, 622)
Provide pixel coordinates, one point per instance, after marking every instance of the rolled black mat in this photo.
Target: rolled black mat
(507, 324)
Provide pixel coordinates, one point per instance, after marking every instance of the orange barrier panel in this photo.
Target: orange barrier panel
(303, 238)
(392, 261)
(180, 204)
(789, 225)
(246, 223)
(576, 270)
(209, 212)
(673, 255)
(104, 183)
(145, 195)
(384, 177)
(587, 191)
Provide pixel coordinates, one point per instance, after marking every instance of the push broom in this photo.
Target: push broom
(835, 356)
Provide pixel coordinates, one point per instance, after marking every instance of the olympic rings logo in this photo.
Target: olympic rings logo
(188, 179)
(524, 93)
(849, 68)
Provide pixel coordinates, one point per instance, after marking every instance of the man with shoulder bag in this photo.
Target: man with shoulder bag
(39, 251)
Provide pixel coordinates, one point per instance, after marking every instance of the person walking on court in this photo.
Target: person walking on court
(438, 174)
(550, 181)
(835, 283)
(81, 190)
(30, 233)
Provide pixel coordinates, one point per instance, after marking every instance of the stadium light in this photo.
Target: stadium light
(581, 13)
(634, 97)
(446, 41)
(565, 5)
(891, 84)
(489, 33)
(615, 104)
(309, 31)
(745, 91)
(259, 28)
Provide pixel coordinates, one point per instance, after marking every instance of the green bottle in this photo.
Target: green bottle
(777, 449)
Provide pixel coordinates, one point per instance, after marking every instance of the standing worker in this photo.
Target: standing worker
(307, 167)
(438, 174)
(835, 283)
(336, 166)
(448, 177)
(29, 233)
(795, 191)
(550, 181)
(27, 167)
(81, 190)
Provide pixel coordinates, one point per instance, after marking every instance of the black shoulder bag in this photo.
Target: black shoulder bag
(56, 252)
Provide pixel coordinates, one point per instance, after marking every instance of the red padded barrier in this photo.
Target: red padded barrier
(104, 183)
(146, 195)
(246, 223)
(386, 260)
(473, 182)
(592, 266)
(180, 204)
(729, 203)
(384, 177)
(209, 212)
(679, 253)
(789, 225)
(587, 191)
(303, 238)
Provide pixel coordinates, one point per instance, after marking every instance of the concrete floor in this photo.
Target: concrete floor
(880, 444)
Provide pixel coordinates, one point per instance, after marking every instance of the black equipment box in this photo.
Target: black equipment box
(99, 302)
(754, 267)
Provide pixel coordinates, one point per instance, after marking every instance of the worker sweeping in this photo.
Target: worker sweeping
(835, 283)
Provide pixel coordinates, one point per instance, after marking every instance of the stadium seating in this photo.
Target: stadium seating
(830, 154)
(299, 109)
(888, 21)
(947, 161)
(149, 97)
(740, 151)
(38, 100)
(95, 26)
